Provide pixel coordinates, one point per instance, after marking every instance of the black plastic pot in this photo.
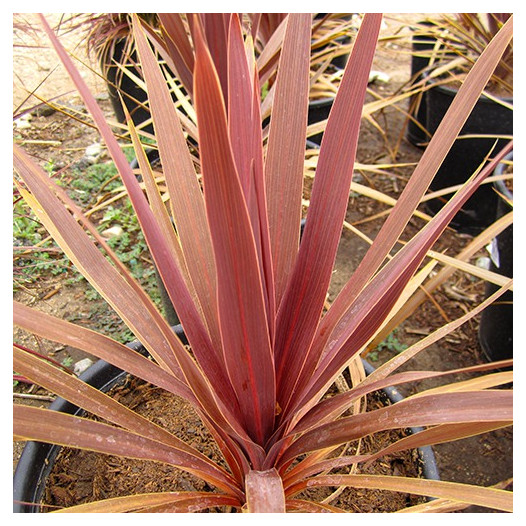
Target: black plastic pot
(36, 462)
(134, 96)
(339, 61)
(487, 118)
(318, 111)
(37, 459)
(496, 322)
(417, 103)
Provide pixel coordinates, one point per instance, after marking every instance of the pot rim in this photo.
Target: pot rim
(499, 170)
(452, 91)
(327, 101)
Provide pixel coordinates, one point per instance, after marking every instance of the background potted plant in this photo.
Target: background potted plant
(251, 297)
(450, 46)
(108, 38)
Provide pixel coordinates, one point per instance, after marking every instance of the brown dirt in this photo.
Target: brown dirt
(80, 476)
(484, 460)
(84, 476)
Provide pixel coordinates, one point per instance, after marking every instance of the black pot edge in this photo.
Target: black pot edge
(327, 101)
(27, 480)
(102, 375)
(499, 170)
(451, 91)
(415, 138)
(488, 319)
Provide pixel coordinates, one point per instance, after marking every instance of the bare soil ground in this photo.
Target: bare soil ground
(485, 459)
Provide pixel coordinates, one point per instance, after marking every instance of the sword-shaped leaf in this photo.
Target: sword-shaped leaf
(445, 408)
(429, 164)
(286, 148)
(309, 280)
(186, 199)
(174, 502)
(487, 497)
(72, 431)
(242, 313)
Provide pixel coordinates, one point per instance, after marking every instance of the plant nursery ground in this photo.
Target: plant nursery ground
(70, 151)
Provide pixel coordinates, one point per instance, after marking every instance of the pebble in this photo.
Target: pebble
(92, 154)
(378, 76)
(82, 365)
(93, 150)
(23, 122)
(44, 110)
(113, 231)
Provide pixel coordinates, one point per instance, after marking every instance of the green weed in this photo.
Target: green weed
(46, 259)
(391, 343)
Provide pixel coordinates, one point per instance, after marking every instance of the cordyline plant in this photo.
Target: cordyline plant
(251, 297)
